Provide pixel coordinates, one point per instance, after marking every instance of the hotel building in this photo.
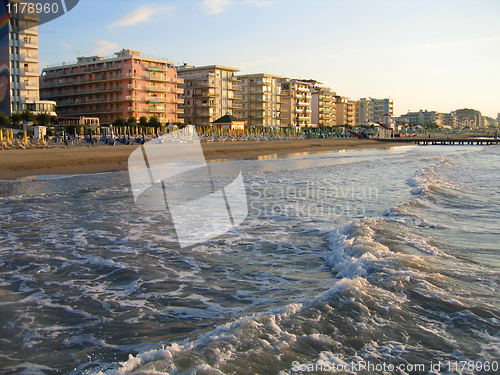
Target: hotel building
(323, 108)
(21, 55)
(371, 110)
(345, 111)
(210, 92)
(260, 99)
(125, 85)
(467, 117)
(296, 102)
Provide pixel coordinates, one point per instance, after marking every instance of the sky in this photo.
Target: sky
(436, 55)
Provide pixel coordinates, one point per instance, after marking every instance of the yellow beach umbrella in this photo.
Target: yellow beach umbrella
(11, 135)
(25, 137)
(1, 135)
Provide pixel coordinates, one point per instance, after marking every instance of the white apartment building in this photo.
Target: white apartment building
(323, 107)
(370, 110)
(210, 92)
(345, 111)
(23, 63)
(260, 99)
(296, 102)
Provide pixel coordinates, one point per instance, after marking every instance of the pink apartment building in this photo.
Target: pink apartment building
(125, 85)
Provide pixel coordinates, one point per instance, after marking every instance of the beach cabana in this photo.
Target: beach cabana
(229, 122)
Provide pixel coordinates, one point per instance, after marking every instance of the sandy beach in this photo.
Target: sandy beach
(19, 164)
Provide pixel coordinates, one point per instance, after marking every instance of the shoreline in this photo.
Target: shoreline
(18, 164)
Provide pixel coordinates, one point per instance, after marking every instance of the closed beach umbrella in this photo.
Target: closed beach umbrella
(25, 137)
(1, 135)
(11, 135)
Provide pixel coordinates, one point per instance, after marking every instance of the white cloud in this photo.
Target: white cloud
(257, 3)
(215, 6)
(103, 47)
(141, 14)
(64, 45)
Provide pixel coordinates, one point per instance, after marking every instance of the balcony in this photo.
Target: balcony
(303, 89)
(28, 98)
(193, 76)
(179, 90)
(67, 93)
(201, 84)
(206, 94)
(31, 31)
(28, 72)
(132, 75)
(67, 103)
(132, 97)
(157, 77)
(28, 44)
(29, 57)
(28, 86)
(303, 104)
(156, 99)
(259, 82)
(156, 68)
(133, 87)
(156, 109)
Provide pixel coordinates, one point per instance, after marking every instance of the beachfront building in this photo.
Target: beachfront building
(489, 122)
(260, 99)
(364, 112)
(19, 65)
(370, 110)
(125, 85)
(422, 117)
(448, 119)
(296, 102)
(467, 118)
(323, 106)
(345, 111)
(210, 92)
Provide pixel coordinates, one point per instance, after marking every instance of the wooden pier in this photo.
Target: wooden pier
(445, 142)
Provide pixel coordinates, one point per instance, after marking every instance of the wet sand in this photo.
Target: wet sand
(18, 164)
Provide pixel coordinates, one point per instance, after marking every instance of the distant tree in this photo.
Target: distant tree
(4, 119)
(26, 115)
(119, 121)
(43, 119)
(132, 121)
(153, 121)
(16, 119)
(143, 121)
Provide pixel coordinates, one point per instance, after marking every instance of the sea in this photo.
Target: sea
(370, 261)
